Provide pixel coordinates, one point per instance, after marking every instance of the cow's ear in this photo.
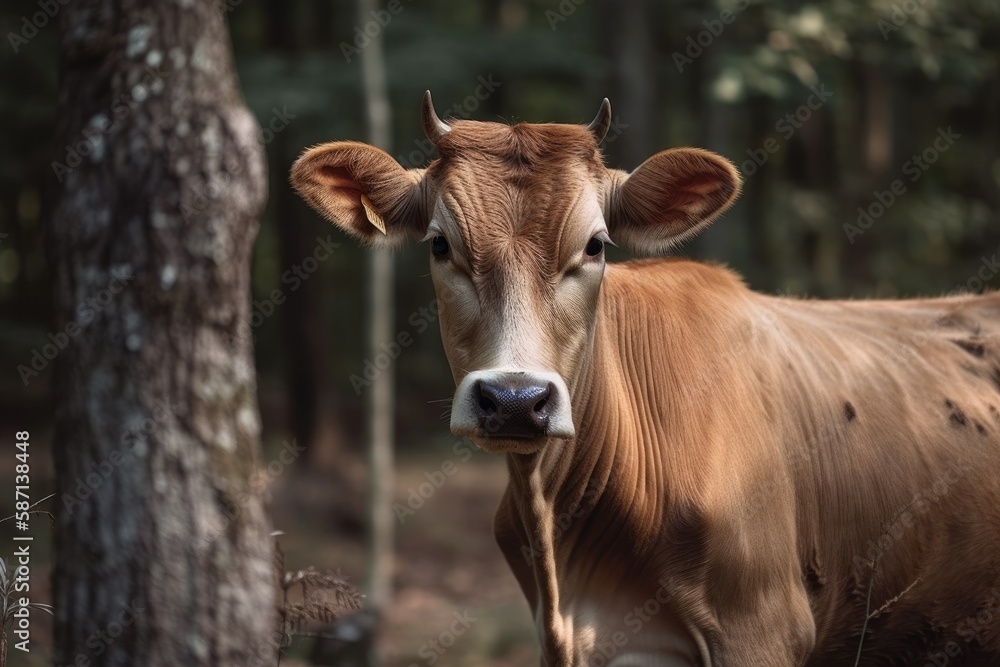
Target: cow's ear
(362, 190)
(670, 197)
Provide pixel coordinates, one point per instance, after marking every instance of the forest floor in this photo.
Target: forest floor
(455, 599)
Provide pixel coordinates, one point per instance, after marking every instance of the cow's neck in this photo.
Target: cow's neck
(594, 511)
(643, 409)
(621, 478)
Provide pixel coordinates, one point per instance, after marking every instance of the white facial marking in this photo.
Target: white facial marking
(535, 331)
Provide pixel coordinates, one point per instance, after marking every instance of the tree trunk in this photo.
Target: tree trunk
(314, 408)
(364, 628)
(878, 125)
(762, 262)
(162, 543)
(380, 308)
(632, 83)
(719, 130)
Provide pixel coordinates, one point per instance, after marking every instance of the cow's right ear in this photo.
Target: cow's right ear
(362, 190)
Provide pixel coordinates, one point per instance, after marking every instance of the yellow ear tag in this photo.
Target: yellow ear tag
(373, 216)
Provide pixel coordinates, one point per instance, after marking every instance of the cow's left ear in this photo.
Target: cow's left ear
(362, 190)
(670, 197)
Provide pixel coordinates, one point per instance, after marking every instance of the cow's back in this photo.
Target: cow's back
(889, 413)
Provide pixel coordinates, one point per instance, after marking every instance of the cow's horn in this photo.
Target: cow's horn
(434, 127)
(599, 126)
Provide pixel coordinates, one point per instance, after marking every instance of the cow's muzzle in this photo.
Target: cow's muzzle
(512, 405)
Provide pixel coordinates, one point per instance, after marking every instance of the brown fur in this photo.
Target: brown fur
(769, 471)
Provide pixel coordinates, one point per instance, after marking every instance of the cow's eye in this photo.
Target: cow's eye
(439, 246)
(594, 247)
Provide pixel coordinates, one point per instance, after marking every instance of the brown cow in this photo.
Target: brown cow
(699, 474)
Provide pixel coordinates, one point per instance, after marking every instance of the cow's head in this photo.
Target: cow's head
(516, 219)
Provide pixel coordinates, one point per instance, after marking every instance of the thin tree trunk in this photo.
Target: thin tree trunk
(314, 408)
(878, 125)
(162, 542)
(719, 124)
(380, 280)
(762, 261)
(633, 82)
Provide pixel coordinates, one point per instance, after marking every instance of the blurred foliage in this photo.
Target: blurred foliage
(899, 70)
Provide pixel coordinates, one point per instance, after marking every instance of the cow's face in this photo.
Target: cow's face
(517, 219)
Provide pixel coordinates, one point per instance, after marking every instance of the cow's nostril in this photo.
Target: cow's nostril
(541, 406)
(487, 405)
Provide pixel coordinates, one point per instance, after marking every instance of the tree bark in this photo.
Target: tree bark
(161, 532)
